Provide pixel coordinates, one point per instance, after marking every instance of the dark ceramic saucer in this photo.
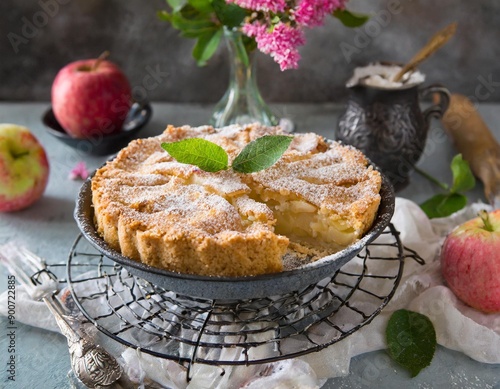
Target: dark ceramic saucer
(137, 118)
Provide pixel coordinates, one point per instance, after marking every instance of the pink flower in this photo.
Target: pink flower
(278, 27)
(281, 42)
(253, 30)
(261, 5)
(312, 13)
(79, 172)
(287, 59)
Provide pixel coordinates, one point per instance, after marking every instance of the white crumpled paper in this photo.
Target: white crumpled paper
(422, 289)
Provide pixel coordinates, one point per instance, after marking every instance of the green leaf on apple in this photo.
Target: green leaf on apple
(453, 200)
(411, 340)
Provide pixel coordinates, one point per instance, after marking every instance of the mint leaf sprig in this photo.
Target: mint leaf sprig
(257, 155)
(453, 200)
(411, 340)
(208, 156)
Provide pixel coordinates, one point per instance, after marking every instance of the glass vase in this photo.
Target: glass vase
(242, 102)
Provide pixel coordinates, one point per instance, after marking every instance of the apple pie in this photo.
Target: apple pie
(317, 199)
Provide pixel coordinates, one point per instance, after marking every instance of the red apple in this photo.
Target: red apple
(470, 262)
(24, 168)
(91, 97)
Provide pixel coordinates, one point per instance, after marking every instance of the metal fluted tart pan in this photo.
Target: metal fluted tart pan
(234, 288)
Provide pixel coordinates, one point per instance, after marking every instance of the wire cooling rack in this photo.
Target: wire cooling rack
(239, 332)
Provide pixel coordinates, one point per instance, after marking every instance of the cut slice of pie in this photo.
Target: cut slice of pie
(317, 199)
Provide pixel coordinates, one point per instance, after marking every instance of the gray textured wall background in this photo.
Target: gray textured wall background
(55, 32)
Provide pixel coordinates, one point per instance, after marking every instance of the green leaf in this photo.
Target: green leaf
(191, 22)
(186, 25)
(249, 43)
(411, 340)
(206, 46)
(192, 13)
(203, 6)
(196, 33)
(176, 5)
(164, 15)
(207, 155)
(261, 153)
(230, 15)
(463, 179)
(443, 205)
(350, 19)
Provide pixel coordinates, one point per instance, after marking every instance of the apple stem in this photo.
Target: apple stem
(101, 58)
(485, 217)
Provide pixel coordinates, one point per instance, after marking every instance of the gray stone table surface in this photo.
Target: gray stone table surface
(48, 229)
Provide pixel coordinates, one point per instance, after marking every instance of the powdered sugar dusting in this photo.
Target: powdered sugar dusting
(183, 207)
(224, 182)
(306, 143)
(254, 210)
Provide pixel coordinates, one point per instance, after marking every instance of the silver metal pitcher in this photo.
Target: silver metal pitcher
(389, 126)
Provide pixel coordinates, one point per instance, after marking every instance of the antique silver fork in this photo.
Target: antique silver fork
(92, 364)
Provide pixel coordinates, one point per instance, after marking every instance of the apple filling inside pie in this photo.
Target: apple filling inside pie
(304, 222)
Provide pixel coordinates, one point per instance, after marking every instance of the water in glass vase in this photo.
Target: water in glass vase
(242, 102)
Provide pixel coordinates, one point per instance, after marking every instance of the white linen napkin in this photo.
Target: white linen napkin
(422, 289)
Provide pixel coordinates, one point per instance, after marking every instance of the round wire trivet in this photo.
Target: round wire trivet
(191, 330)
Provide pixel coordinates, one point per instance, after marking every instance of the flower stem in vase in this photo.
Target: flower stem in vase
(242, 102)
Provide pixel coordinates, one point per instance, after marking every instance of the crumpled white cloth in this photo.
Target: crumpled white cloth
(422, 289)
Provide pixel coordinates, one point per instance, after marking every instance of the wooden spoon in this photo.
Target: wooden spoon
(435, 43)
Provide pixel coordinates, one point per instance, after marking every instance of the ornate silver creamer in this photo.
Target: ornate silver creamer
(388, 125)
